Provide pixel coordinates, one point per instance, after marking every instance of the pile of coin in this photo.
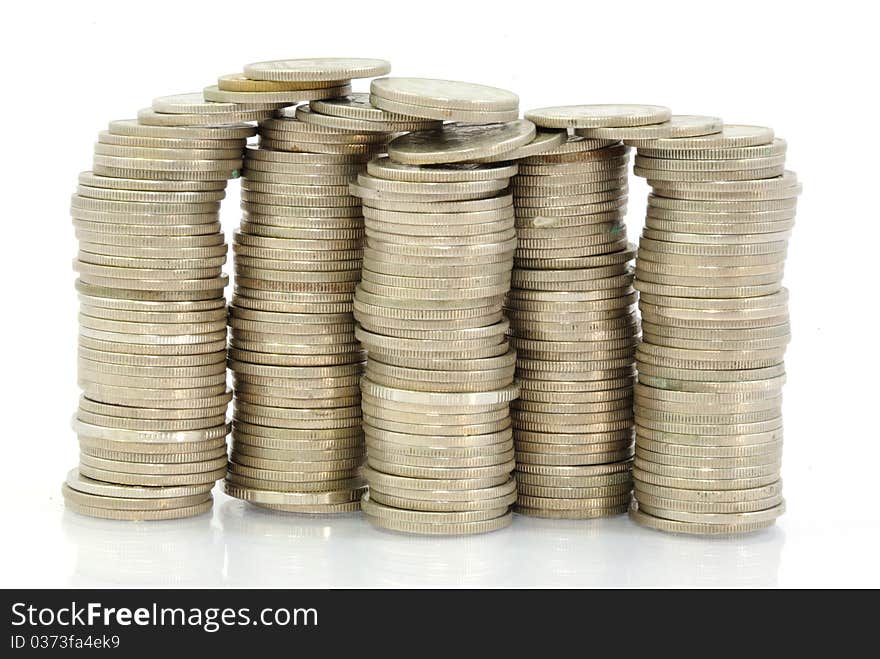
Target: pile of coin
(378, 253)
(297, 442)
(715, 328)
(437, 258)
(152, 341)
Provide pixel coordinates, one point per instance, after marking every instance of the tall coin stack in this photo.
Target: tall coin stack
(152, 342)
(437, 260)
(715, 328)
(573, 323)
(297, 442)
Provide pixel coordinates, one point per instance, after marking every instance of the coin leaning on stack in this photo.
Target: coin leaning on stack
(152, 341)
(437, 257)
(297, 441)
(715, 328)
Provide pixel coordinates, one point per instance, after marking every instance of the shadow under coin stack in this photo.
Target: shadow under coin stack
(297, 442)
(152, 345)
(437, 260)
(715, 323)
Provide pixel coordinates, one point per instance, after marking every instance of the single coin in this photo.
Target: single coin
(247, 98)
(107, 138)
(312, 117)
(596, 492)
(316, 509)
(168, 153)
(723, 520)
(239, 82)
(711, 497)
(455, 528)
(317, 69)
(707, 164)
(585, 513)
(395, 500)
(598, 116)
(460, 142)
(385, 168)
(122, 503)
(150, 117)
(336, 483)
(731, 136)
(785, 186)
(545, 141)
(775, 148)
(687, 528)
(148, 479)
(428, 188)
(132, 127)
(378, 510)
(444, 94)
(545, 503)
(695, 482)
(619, 479)
(678, 125)
(195, 103)
(80, 483)
(445, 114)
(573, 144)
(140, 515)
(357, 107)
(279, 498)
(706, 508)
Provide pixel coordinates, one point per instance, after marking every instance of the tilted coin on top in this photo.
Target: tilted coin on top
(444, 99)
(460, 142)
(598, 116)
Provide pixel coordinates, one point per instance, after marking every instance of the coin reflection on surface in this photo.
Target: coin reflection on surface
(175, 553)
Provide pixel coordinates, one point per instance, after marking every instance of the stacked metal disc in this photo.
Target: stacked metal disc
(152, 344)
(715, 329)
(437, 258)
(297, 438)
(572, 325)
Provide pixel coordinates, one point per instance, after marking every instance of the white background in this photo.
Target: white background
(807, 69)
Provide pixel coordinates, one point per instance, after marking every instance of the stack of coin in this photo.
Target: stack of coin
(152, 345)
(439, 376)
(715, 327)
(297, 442)
(572, 322)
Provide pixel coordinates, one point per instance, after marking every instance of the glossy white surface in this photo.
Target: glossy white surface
(242, 546)
(803, 68)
